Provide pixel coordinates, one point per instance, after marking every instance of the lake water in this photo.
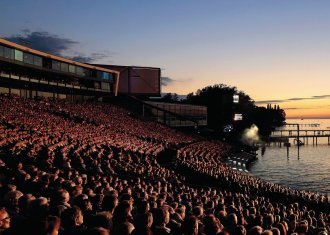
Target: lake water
(309, 171)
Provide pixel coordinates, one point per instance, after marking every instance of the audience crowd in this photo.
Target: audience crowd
(93, 168)
(203, 165)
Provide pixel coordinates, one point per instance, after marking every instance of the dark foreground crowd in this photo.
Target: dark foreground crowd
(92, 168)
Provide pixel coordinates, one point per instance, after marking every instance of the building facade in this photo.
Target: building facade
(29, 73)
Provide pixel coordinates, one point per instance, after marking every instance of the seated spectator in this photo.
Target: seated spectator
(72, 221)
(256, 230)
(142, 223)
(98, 231)
(190, 226)
(125, 228)
(122, 213)
(161, 218)
(212, 225)
(4, 221)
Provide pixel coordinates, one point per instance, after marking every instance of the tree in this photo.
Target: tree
(221, 109)
(170, 97)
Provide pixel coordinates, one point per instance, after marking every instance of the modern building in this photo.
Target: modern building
(29, 73)
(193, 114)
(137, 80)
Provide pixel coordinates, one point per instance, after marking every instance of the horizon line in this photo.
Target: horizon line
(308, 117)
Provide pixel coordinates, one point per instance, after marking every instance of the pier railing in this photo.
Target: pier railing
(301, 135)
(303, 132)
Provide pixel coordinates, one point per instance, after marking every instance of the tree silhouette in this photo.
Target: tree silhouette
(221, 109)
(170, 97)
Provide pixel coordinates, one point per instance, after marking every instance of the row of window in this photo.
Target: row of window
(27, 94)
(105, 86)
(18, 55)
(14, 54)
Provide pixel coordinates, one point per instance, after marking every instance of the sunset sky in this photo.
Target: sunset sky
(276, 51)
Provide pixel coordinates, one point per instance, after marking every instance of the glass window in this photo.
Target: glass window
(103, 75)
(9, 53)
(64, 67)
(4, 90)
(99, 74)
(28, 58)
(61, 96)
(91, 73)
(105, 86)
(15, 92)
(80, 71)
(37, 61)
(56, 65)
(72, 68)
(1, 51)
(45, 94)
(97, 85)
(111, 78)
(87, 73)
(46, 63)
(18, 55)
(106, 76)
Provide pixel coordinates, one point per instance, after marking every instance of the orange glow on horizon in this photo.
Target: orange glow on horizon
(309, 108)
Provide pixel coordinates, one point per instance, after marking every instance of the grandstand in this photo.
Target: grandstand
(58, 157)
(94, 168)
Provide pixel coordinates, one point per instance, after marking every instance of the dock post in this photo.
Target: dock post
(298, 131)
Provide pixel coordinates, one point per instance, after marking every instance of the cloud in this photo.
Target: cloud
(43, 41)
(165, 81)
(296, 99)
(93, 57)
(320, 96)
(269, 101)
(55, 45)
(292, 108)
(315, 97)
(314, 107)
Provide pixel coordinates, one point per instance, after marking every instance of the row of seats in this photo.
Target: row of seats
(93, 168)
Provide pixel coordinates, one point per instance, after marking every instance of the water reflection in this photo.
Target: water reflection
(309, 170)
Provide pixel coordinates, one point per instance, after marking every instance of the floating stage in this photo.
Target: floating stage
(241, 160)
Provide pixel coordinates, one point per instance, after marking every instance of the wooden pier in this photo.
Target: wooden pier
(306, 136)
(303, 125)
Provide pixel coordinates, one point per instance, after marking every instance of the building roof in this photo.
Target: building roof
(123, 67)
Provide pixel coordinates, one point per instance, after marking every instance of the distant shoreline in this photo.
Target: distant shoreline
(307, 118)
